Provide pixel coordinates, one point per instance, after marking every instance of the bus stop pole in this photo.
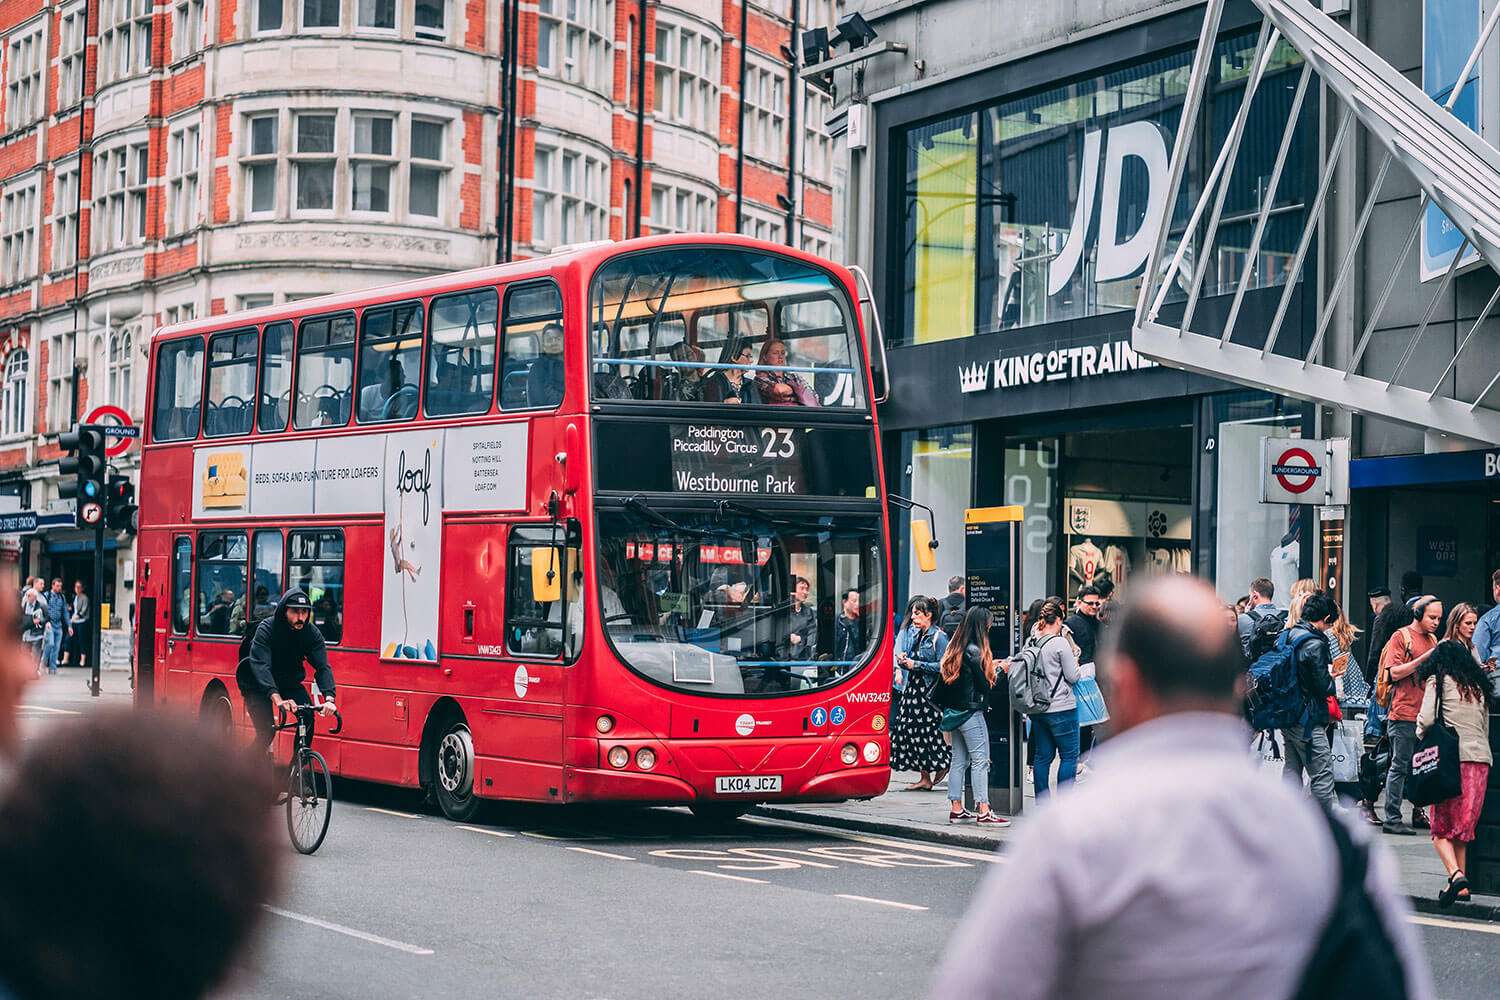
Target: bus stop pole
(96, 634)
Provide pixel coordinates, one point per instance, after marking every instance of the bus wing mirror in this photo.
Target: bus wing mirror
(748, 551)
(546, 575)
(921, 540)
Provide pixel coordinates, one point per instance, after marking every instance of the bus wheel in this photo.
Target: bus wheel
(216, 713)
(718, 812)
(452, 770)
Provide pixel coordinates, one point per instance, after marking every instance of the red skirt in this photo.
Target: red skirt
(1456, 818)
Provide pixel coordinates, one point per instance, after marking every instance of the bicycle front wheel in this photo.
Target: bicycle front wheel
(309, 803)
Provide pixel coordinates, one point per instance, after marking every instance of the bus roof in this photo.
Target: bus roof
(588, 256)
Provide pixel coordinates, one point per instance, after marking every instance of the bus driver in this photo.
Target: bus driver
(270, 674)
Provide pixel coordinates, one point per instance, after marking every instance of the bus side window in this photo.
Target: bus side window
(276, 377)
(315, 565)
(532, 627)
(325, 371)
(221, 582)
(265, 574)
(461, 353)
(182, 584)
(179, 390)
(390, 362)
(231, 383)
(532, 371)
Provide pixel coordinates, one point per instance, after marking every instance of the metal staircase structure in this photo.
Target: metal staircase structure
(1456, 170)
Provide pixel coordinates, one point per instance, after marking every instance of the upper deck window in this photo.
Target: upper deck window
(723, 325)
(231, 383)
(461, 356)
(179, 390)
(325, 371)
(390, 362)
(276, 377)
(533, 369)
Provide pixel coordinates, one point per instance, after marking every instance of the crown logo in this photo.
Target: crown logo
(975, 378)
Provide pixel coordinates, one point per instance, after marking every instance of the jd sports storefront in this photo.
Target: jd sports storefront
(1011, 241)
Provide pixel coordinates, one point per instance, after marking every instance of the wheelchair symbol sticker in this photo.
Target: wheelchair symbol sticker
(838, 715)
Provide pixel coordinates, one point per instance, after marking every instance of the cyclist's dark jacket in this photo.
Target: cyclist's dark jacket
(274, 662)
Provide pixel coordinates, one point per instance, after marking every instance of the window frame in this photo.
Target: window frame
(189, 21)
(235, 360)
(260, 377)
(300, 353)
(289, 547)
(178, 541)
(19, 246)
(591, 64)
(298, 159)
(671, 70)
(250, 604)
(65, 212)
(199, 559)
(503, 323)
(429, 355)
(517, 537)
(71, 48)
(389, 161)
(15, 393)
(419, 309)
(25, 89)
(183, 180)
(170, 345)
(303, 26)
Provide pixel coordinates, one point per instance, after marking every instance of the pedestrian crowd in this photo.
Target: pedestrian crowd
(55, 624)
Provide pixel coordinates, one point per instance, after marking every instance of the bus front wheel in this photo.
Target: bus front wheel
(452, 770)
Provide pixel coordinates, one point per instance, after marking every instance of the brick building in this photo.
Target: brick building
(166, 159)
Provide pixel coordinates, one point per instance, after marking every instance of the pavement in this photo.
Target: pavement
(923, 816)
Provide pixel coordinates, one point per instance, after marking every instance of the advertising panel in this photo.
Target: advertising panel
(1449, 29)
(413, 535)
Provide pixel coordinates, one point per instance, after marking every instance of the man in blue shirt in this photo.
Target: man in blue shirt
(58, 628)
(1487, 634)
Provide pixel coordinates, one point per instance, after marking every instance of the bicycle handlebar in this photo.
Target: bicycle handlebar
(281, 722)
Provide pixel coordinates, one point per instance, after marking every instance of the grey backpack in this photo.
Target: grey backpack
(1029, 693)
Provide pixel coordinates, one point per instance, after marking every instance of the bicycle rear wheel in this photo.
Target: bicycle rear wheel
(309, 803)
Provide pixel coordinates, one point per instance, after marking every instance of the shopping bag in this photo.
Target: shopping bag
(1348, 744)
(1435, 774)
(1091, 708)
(1267, 749)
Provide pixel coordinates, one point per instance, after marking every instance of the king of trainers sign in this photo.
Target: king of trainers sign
(1060, 364)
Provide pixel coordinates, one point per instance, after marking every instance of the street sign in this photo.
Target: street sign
(1304, 470)
(91, 513)
(18, 522)
(124, 432)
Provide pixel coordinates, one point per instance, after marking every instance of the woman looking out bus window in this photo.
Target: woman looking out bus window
(781, 388)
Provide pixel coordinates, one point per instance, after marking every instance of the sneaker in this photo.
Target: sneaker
(1399, 828)
(959, 815)
(1029, 776)
(990, 819)
(1082, 774)
(1419, 817)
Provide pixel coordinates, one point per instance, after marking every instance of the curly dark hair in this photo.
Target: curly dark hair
(1453, 660)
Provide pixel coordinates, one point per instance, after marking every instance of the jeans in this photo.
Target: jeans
(1403, 744)
(51, 647)
(1308, 749)
(1374, 718)
(1056, 734)
(971, 750)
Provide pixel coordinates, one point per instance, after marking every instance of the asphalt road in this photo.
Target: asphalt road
(595, 904)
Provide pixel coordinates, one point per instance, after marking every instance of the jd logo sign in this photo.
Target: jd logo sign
(1117, 258)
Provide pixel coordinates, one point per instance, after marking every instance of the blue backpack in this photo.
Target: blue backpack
(1276, 699)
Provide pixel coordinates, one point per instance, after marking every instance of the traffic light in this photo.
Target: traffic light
(85, 461)
(119, 503)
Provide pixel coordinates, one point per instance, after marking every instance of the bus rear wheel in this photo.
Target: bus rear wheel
(452, 768)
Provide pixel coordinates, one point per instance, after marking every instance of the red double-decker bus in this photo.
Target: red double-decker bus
(605, 525)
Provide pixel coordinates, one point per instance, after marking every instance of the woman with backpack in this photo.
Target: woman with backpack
(968, 673)
(916, 741)
(1055, 731)
(1460, 685)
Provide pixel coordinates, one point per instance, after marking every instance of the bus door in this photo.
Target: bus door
(174, 643)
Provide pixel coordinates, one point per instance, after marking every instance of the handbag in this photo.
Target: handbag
(1435, 774)
(1091, 707)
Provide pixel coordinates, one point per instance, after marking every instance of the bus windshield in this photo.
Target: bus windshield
(711, 324)
(743, 604)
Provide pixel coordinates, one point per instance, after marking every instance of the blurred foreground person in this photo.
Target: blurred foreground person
(137, 851)
(1183, 872)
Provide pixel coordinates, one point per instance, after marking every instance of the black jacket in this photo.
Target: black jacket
(1085, 633)
(276, 654)
(1310, 656)
(970, 690)
(848, 638)
(804, 625)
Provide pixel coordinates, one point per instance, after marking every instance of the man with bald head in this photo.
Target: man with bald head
(1180, 870)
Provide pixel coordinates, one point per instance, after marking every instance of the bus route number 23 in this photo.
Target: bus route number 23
(776, 442)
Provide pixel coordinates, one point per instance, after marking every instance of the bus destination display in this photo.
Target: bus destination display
(708, 458)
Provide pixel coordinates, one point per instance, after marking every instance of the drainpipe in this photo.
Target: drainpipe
(739, 156)
(640, 114)
(792, 91)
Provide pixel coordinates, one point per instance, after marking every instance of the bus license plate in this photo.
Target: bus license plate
(747, 784)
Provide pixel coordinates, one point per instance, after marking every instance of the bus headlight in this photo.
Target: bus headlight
(618, 757)
(604, 724)
(878, 723)
(645, 758)
(850, 754)
(872, 752)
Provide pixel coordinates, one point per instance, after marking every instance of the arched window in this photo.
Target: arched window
(120, 369)
(15, 413)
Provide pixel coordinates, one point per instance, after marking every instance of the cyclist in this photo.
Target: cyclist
(271, 674)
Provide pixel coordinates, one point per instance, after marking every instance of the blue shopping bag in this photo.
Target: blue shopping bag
(1091, 707)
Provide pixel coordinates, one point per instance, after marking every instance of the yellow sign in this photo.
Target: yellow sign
(224, 481)
(989, 515)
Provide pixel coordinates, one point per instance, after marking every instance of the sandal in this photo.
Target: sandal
(919, 786)
(1456, 884)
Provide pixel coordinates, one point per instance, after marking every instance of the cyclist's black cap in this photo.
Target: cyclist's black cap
(297, 599)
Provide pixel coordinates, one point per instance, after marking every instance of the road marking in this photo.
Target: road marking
(1462, 925)
(602, 854)
(45, 708)
(905, 845)
(384, 942)
(391, 812)
(882, 902)
(491, 833)
(732, 878)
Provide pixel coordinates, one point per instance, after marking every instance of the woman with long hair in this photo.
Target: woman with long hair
(1461, 686)
(1056, 730)
(779, 387)
(1462, 621)
(916, 741)
(968, 673)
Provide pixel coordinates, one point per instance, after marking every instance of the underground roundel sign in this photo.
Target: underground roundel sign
(1295, 470)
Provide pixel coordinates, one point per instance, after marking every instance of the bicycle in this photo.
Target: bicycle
(309, 790)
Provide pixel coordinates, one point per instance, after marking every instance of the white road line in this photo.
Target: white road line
(602, 854)
(492, 833)
(1461, 925)
(45, 708)
(882, 902)
(384, 942)
(732, 878)
(391, 812)
(905, 845)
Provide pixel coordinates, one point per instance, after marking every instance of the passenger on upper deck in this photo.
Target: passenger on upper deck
(544, 381)
(684, 385)
(730, 385)
(781, 388)
(375, 399)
